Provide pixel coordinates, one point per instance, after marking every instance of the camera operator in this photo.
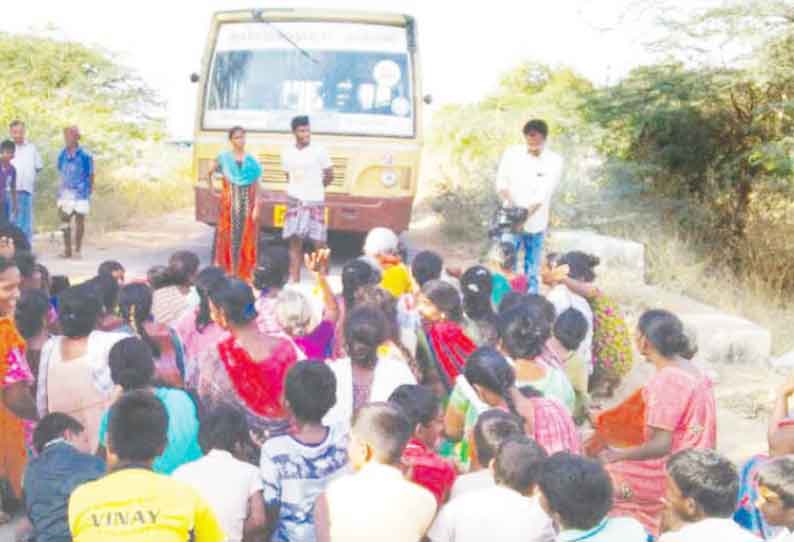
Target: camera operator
(528, 177)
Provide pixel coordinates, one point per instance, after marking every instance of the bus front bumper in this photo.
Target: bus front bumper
(344, 213)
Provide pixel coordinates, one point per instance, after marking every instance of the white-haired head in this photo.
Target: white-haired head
(293, 312)
(381, 242)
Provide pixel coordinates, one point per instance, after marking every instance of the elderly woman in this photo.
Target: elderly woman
(382, 248)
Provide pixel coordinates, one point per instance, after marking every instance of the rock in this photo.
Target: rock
(614, 253)
(723, 338)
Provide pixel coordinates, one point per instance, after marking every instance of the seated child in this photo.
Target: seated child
(425, 466)
(493, 427)
(377, 502)
(230, 485)
(568, 332)
(508, 511)
(776, 497)
(577, 493)
(700, 500)
(297, 467)
(503, 258)
(780, 436)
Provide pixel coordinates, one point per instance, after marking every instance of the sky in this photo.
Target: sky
(465, 46)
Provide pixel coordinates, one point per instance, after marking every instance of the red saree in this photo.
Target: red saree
(236, 233)
(450, 347)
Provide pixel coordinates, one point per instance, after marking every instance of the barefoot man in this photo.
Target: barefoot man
(309, 170)
(76, 171)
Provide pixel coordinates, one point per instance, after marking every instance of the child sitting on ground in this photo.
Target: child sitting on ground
(297, 467)
(508, 511)
(270, 278)
(377, 502)
(780, 437)
(502, 260)
(425, 466)
(577, 494)
(776, 497)
(568, 332)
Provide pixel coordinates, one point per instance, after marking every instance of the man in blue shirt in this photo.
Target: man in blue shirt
(76, 171)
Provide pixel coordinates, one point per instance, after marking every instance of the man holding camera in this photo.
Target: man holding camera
(528, 177)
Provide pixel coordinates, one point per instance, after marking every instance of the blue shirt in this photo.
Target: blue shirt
(183, 426)
(50, 479)
(75, 171)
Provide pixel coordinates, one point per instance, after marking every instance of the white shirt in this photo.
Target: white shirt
(305, 167)
(530, 180)
(226, 484)
(563, 299)
(609, 530)
(378, 503)
(472, 481)
(718, 529)
(389, 374)
(28, 163)
(496, 513)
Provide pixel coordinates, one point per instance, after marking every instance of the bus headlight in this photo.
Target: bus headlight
(389, 178)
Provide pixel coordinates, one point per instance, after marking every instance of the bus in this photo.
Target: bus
(355, 74)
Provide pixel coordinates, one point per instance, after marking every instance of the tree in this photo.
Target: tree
(50, 84)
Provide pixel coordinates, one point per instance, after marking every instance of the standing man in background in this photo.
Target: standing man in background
(309, 170)
(528, 176)
(28, 164)
(76, 172)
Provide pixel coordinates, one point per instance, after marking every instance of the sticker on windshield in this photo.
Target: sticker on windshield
(387, 73)
(401, 107)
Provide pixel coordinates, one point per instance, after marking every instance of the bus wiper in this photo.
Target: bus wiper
(260, 14)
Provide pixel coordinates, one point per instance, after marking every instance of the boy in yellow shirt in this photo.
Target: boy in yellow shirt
(132, 503)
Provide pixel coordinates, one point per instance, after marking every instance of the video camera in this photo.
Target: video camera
(507, 221)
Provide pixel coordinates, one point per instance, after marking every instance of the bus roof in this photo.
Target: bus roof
(313, 14)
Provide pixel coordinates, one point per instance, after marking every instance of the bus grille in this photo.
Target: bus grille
(273, 173)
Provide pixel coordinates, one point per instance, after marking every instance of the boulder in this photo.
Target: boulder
(726, 339)
(614, 253)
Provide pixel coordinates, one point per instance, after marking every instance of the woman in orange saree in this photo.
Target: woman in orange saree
(17, 404)
(237, 229)
(679, 413)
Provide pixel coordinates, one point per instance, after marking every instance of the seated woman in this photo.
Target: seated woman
(382, 247)
(107, 289)
(132, 368)
(443, 345)
(392, 348)
(568, 332)
(612, 354)
(135, 304)
(680, 413)
(480, 319)
(74, 377)
(294, 312)
(196, 329)
(179, 296)
(31, 317)
(364, 377)
(524, 331)
(246, 370)
(355, 274)
(489, 381)
(270, 277)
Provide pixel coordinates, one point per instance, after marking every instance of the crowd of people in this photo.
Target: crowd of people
(420, 403)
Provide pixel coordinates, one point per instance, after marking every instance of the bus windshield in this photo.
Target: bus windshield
(351, 78)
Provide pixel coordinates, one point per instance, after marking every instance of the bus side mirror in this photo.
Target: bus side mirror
(428, 99)
(194, 77)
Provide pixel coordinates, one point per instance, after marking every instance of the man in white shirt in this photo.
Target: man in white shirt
(309, 170)
(702, 489)
(528, 176)
(508, 511)
(28, 163)
(577, 494)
